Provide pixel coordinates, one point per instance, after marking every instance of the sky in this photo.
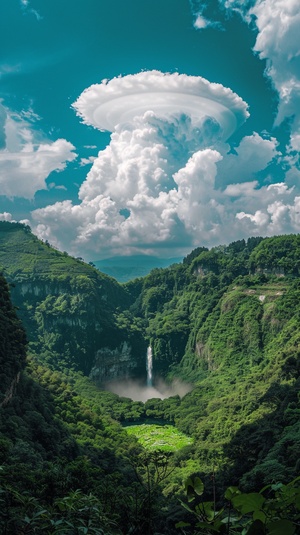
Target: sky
(150, 127)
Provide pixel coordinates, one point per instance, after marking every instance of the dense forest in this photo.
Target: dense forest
(225, 321)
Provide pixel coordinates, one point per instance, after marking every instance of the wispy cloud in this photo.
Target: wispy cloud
(7, 69)
(201, 20)
(201, 23)
(25, 4)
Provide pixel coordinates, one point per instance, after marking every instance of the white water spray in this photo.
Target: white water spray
(149, 366)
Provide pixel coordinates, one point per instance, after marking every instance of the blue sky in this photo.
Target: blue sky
(160, 184)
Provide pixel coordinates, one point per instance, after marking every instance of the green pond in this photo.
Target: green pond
(159, 437)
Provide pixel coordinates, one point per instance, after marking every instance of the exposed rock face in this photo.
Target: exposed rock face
(112, 364)
(8, 395)
(73, 326)
(40, 289)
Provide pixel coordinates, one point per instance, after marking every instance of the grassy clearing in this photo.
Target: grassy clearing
(159, 437)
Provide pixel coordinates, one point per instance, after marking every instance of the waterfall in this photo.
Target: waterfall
(149, 366)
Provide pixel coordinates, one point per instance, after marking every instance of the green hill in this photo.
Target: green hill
(69, 309)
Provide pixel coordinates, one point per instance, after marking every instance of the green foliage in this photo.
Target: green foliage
(226, 320)
(155, 437)
(69, 309)
(279, 254)
(76, 513)
(12, 345)
(275, 510)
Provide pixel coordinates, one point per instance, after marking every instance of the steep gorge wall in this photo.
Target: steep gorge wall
(70, 311)
(70, 326)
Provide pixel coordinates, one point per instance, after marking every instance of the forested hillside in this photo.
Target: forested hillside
(228, 320)
(225, 320)
(69, 309)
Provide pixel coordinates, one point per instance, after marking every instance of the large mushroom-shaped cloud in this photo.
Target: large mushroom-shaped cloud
(121, 99)
(153, 186)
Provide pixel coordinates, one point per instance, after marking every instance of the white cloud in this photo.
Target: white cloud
(191, 211)
(6, 216)
(26, 6)
(278, 23)
(274, 212)
(52, 185)
(252, 155)
(201, 23)
(26, 160)
(6, 69)
(166, 179)
(277, 42)
(87, 161)
(120, 100)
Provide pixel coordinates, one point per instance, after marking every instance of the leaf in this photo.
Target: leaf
(248, 503)
(39, 513)
(297, 501)
(198, 486)
(281, 527)
(186, 507)
(259, 515)
(231, 492)
(277, 486)
(292, 483)
(182, 525)
(206, 525)
(209, 510)
(194, 486)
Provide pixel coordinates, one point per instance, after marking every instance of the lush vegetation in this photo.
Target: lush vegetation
(272, 511)
(225, 320)
(69, 309)
(156, 437)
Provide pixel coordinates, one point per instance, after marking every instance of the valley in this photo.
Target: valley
(217, 336)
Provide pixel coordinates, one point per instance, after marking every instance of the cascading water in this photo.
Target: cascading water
(149, 366)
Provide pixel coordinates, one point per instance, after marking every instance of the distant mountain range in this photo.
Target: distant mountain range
(126, 268)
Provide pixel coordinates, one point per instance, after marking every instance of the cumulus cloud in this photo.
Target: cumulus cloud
(277, 42)
(253, 154)
(279, 212)
(25, 161)
(137, 192)
(6, 216)
(168, 177)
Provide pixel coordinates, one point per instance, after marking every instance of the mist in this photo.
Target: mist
(138, 391)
